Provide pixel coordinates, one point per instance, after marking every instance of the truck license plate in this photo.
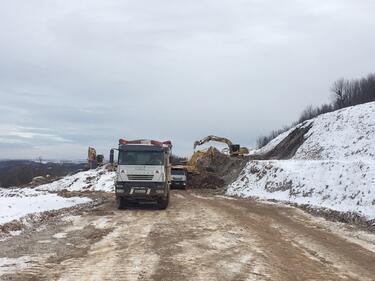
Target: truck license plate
(139, 191)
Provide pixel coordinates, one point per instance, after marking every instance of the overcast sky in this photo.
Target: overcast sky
(79, 73)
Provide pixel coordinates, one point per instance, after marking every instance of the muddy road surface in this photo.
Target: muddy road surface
(199, 237)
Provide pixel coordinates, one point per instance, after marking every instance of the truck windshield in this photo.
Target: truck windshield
(141, 158)
(178, 172)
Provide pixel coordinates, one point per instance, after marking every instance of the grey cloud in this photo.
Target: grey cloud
(93, 71)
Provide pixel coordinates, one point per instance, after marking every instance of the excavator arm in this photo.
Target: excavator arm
(212, 138)
(234, 149)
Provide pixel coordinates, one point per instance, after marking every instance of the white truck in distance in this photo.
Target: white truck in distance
(179, 178)
(143, 172)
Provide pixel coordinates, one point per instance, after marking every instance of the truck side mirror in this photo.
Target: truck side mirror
(111, 156)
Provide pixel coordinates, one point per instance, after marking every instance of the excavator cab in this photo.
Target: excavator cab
(234, 149)
(100, 159)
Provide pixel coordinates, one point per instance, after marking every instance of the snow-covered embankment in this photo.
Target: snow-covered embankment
(99, 179)
(333, 168)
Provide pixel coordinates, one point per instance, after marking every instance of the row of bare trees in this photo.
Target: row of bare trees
(345, 93)
(20, 172)
(175, 159)
(353, 92)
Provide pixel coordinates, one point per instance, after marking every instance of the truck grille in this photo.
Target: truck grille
(140, 177)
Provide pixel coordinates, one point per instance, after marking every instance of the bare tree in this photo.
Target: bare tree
(338, 88)
(176, 159)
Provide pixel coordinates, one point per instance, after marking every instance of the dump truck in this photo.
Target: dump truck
(179, 177)
(143, 172)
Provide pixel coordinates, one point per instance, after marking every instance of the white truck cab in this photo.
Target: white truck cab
(179, 177)
(143, 172)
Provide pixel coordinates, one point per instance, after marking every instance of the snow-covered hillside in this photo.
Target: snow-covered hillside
(99, 179)
(273, 143)
(333, 168)
(18, 202)
(346, 134)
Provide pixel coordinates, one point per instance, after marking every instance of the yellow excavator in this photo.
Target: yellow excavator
(234, 149)
(191, 164)
(94, 160)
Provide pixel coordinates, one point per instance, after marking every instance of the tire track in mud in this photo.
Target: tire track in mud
(201, 244)
(300, 249)
(121, 255)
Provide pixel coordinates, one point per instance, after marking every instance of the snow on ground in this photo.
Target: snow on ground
(334, 168)
(19, 202)
(93, 180)
(341, 186)
(16, 203)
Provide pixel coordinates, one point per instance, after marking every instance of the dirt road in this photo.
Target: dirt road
(196, 238)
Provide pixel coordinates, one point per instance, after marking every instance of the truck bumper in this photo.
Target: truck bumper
(178, 184)
(142, 190)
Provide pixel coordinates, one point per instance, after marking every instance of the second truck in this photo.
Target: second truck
(179, 177)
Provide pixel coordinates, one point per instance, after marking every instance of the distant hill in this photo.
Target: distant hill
(20, 172)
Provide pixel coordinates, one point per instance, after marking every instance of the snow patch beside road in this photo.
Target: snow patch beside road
(16, 203)
(344, 186)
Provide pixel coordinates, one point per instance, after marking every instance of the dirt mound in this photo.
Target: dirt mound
(215, 169)
(205, 180)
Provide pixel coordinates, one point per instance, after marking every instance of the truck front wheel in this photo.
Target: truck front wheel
(120, 203)
(163, 203)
